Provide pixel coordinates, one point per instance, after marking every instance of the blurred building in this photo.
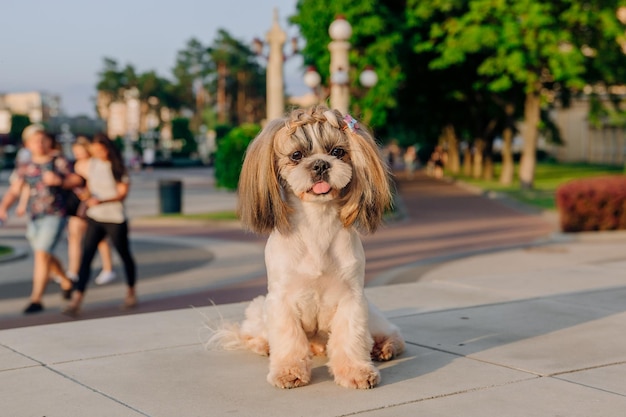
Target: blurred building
(583, 142)
(128, 116)
(40, 107)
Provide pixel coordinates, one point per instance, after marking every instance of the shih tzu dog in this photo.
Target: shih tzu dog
(313, 180)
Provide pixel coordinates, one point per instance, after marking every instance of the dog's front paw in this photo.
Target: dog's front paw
(387, 347)
(292, 376)
(361, 377)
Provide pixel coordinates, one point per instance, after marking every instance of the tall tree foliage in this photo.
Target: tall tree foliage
(192, 69)
(238, 79)
(19, 122)
(377, 36)
(540, 46)
(227, 71)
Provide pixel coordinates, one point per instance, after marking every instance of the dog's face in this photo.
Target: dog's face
(314, 166)
(318, 156)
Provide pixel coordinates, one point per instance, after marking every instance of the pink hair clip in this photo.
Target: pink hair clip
(351, 123)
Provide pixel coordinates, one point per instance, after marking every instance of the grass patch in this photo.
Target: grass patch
(214, 216)
(548, 177)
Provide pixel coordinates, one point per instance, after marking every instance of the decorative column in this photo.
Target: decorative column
(340, 31)
(66, 138)
(276, 38)
(133, 118)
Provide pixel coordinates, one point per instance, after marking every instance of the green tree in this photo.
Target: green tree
(113, 82)
(377, 40)
(192, 70)
(238, 80)
(111, 79)
(540, 46)
(18, 124)
(150, 84)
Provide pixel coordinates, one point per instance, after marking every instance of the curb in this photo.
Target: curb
(599, 236)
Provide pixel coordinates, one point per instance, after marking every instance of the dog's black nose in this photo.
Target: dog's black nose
(320, 166)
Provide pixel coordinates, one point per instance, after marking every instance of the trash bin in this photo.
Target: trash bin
(170, 196)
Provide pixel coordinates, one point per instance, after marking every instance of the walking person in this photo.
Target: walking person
(438, 159)
(77, 223)
(44, 176)
(410, 161)
(108, 184)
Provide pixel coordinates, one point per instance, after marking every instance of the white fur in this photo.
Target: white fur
(315, 301)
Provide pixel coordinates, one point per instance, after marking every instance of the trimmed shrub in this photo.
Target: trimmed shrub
(19, 122)
(230, 153)
(591, 204)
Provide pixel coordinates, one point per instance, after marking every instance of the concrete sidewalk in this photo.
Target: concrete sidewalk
(526, 332)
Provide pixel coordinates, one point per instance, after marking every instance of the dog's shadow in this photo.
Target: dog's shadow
(412, 363)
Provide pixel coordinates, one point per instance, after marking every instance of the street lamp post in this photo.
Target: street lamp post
(313, 80)
(275, 95)
(66, 138)
(339, 31)
(276, 38)
(133, 114)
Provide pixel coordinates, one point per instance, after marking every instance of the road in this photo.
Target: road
(194, 263)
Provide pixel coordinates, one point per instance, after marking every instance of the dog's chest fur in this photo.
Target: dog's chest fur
(320, 244)
(315, 265)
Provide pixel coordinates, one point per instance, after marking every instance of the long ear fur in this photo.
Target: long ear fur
(260, 206)
(370, 189)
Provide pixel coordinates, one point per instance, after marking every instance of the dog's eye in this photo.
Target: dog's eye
(296, 156)
(338, 153)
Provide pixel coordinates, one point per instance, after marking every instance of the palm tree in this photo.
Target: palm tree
(238, 79)
(192, 70)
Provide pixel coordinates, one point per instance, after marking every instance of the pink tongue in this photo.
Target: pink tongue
(321, 187)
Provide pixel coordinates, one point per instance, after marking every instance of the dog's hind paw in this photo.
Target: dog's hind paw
(387, 347)
(363, 377)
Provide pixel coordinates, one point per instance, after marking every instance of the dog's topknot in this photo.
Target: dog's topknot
(311, 115)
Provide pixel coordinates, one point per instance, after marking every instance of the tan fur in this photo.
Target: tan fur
(261, 208)
(312, 182)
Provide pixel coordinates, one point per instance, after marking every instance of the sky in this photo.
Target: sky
(58, 46)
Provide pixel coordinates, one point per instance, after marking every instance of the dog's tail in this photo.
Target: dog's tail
(251, 334)
(226, 337)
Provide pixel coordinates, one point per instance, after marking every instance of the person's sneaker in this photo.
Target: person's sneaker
(33, 308)
(104, 277)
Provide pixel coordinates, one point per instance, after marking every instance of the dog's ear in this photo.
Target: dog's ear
(260, 206)
(370, 188)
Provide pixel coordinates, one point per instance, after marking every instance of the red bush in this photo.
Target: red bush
(590, 204)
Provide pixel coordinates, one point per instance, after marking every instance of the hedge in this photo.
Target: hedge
(591, 204)
(230, 152)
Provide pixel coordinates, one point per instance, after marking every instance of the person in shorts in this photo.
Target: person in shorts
(44, 175)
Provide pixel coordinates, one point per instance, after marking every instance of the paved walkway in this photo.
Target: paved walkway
(536, 331)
